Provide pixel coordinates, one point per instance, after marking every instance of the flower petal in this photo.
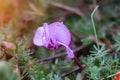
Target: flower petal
(70, 53)
(60, 32)
(46, 30)
(38, 37)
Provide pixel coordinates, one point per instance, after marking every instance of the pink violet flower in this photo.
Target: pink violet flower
(53, 36)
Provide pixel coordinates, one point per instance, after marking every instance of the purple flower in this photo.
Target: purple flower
(53, 36)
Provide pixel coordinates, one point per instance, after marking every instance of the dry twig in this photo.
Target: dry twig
(60, 54)
(69, 72)
(68, 8)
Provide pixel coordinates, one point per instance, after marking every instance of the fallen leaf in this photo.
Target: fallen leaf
(8, 45)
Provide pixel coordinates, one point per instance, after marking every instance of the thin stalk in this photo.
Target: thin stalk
(78, 63)
(94, 28)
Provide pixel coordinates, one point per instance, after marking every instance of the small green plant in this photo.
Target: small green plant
(117, 40)
(100, 64)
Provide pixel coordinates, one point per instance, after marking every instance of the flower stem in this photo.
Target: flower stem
(78, 63)
(94, 28)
